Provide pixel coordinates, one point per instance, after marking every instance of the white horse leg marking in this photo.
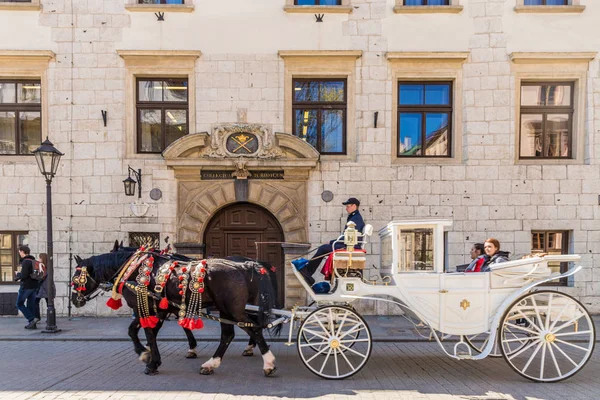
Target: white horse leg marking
(213, 363)
(191, 353)
(269, 360)
(145, 356)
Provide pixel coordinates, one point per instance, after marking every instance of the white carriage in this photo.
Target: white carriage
(544, 335)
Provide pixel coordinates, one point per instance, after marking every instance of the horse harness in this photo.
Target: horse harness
(189, 275)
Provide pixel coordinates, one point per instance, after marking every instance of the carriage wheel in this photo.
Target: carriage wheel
(318, 342)
(334, 351)
(560, 336)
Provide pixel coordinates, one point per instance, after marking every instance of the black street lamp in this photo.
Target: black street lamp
(48, 158)
(129, 183)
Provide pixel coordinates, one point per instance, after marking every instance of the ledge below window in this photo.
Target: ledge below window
(548, 161)
(550, 9)
(426, 161)
(427, 9)
(17, 158)
(187, 8)
(318, 9)
(32, 6)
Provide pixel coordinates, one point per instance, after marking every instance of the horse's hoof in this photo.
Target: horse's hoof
(248, 353)
(191, 354)
(206, 371)
(270, 372)
(150, 371)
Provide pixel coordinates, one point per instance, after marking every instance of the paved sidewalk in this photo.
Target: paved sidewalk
(383, 329)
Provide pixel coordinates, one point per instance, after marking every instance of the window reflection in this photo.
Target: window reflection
(319, 109)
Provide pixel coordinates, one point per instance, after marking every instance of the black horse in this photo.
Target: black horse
(229, 286)
(135, 326)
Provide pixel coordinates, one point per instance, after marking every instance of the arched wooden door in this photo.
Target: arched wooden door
(234, 231)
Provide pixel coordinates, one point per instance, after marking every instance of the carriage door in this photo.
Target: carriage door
(234, 231)
(464, 303)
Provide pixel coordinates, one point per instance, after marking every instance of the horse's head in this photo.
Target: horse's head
(83, 282)
(91, 272)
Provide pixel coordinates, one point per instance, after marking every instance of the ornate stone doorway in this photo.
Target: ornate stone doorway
(235, 230)
(243, 164)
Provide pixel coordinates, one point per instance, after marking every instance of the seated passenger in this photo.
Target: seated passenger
(478, 258)
(492, 250)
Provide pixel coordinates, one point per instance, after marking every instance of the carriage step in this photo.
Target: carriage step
(464, 356)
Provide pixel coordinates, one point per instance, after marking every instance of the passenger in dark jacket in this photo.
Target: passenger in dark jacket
(352, 205)
(26, 298)
(492, 250)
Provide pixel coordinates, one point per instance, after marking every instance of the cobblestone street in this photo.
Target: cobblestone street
(110, 370)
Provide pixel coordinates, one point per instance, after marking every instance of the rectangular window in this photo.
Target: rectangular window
(161, 1)
(138, 239)
(318, 2)
(552, 243)
(319, 113)
(546, 2)
(417, 253)
(424, 119)
(20, 116)
(9, 254)
(546, 120)
(162, 113)
(426, 2)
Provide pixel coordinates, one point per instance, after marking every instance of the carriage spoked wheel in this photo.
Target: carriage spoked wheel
(560, 336)
(318, 342)
(339, 342)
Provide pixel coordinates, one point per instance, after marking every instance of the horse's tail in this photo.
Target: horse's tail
(267, 298)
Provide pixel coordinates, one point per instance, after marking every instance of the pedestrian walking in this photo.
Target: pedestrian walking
(26, 298)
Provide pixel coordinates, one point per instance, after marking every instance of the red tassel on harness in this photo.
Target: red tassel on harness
(164, 303)
(114, 304)
(149, 322)
(198, 324)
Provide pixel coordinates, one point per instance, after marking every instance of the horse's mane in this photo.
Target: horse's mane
(104, 266)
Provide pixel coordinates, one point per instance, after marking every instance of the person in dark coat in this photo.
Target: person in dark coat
(26, 298)
(492, 250)
(43, 290)
(352, 205)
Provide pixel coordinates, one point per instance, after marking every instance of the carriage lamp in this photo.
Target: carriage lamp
(48, 159)
(350, 235)
(129, 183)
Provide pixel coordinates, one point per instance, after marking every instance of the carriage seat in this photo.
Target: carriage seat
(347, 262)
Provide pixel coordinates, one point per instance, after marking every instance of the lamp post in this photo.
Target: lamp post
(48, 158)
(130, 183)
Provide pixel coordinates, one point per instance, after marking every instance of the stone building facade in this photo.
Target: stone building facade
(241, 62)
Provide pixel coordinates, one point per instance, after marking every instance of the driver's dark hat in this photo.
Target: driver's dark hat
(352, 200)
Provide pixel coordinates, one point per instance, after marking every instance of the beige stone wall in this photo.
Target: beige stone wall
(239, 75)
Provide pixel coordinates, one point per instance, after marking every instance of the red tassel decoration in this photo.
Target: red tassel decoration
(114, 304)
(199, 324)
(164, 303)
(152, 321)
(149, 322)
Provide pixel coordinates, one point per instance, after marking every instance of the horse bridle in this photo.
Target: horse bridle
(79, 284)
